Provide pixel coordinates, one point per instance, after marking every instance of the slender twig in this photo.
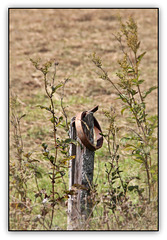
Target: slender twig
(122, 49)
(43, 224)
(54, 75)
(89, 217)
(148, 178)
(61, 103)
(122, 184)
(36, 181)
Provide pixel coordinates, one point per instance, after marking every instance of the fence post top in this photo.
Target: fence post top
(79, 123)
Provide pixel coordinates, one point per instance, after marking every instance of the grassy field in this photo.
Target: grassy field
(70, 36)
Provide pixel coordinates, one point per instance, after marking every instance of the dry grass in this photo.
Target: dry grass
(69, 36)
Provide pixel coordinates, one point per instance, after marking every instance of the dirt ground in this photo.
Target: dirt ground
(69, 36)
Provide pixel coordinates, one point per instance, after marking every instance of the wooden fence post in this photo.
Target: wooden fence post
(80, 175)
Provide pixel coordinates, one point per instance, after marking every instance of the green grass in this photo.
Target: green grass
(41, 132)
(129, 167)
(73, 100)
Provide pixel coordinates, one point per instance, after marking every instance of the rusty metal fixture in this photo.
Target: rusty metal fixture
(79, 123)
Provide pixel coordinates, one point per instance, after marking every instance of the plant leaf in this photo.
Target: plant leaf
(43, 107)
(22, 116)
(129, 147)
(138, 158)
(123, 109)
(70, 140)
(149, 91)
(139, 58)
(38, 174)
(131, 188)
(140, 81)
(44, 145)
(58, 86)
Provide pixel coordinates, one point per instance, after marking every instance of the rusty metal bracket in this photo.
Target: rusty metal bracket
(82, 135)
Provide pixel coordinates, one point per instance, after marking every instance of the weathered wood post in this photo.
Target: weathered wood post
(81, 167)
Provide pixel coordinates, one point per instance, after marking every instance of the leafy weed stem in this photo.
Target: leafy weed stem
(122, 49)
(126, 99)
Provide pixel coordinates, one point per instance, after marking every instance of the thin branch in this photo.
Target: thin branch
(63, 108)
